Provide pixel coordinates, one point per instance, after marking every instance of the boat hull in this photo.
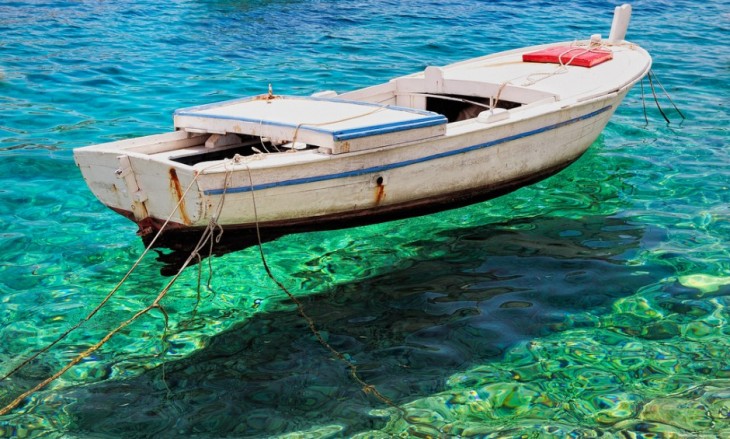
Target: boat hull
(381, 185)
(269, 230)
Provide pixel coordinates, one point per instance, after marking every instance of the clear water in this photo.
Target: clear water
(593, 303)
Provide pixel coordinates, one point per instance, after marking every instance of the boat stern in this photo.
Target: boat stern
(126, 176)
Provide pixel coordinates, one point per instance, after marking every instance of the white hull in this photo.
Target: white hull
(546, 125)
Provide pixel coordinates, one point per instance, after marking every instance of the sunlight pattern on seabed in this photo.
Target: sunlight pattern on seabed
(595, 302)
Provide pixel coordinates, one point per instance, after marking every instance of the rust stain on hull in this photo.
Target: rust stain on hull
(178, 194)
(379, 192)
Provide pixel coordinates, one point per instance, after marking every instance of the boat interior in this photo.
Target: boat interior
(419, 106)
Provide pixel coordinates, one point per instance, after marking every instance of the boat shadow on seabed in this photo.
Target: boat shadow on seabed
(408, 330)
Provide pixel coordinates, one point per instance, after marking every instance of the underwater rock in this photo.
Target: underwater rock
(323, 432)
(704, 282)
(686, 414)
(660, 330)
(633, 429)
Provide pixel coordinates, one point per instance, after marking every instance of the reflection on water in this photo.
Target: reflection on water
(407, 331)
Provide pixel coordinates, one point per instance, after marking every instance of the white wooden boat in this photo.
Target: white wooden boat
(444, 137)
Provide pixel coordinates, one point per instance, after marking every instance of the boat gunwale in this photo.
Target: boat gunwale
(396, 165)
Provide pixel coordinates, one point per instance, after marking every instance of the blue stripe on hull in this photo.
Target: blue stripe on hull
(405, 163)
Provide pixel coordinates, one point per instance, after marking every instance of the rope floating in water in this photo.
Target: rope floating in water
(209, 237)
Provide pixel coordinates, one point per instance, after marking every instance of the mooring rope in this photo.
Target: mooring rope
(651, 75)
(207, 237)
(643, 103)
(366, 387)
(656, 99)
(111, 293)
(208, 233)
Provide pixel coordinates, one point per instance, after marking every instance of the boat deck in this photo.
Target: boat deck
(337, 124)
(563, 82)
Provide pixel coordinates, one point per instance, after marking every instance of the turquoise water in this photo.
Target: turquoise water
(593, 303)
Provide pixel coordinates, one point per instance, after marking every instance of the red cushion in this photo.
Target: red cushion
(580, 56)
